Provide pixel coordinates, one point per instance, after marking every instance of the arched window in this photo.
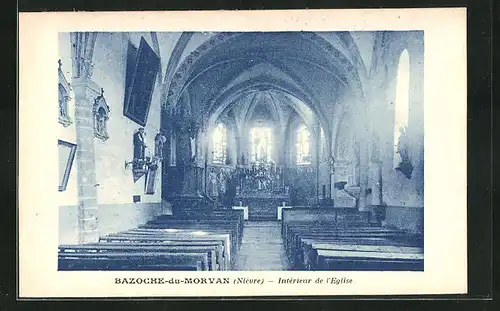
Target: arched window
(261, 144)
(303, 146)
(219, 140)
(402, 103)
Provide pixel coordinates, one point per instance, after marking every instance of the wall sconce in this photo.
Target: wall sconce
(142, 166)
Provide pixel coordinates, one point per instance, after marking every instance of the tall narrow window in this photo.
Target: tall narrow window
(219, 140)
(401, 107)
(303, 146)
(261, 143)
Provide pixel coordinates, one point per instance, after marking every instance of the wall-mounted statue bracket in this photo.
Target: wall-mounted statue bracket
(405, 166)
(64, 98)
(100, 112)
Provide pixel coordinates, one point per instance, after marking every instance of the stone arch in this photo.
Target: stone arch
(187, 66)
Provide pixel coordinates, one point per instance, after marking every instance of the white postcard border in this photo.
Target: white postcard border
(445, 110)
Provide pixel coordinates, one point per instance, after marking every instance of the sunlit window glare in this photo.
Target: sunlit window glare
(261, 144)
(303, 146)
(219, 140)
(401, 108)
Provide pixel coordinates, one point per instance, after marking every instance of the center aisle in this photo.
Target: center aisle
(262, 248)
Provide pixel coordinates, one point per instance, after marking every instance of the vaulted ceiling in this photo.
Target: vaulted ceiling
(304, 73)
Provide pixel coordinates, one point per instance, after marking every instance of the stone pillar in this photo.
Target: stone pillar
(331, 168)
(376, 182)
(85, 92)
(200, 162)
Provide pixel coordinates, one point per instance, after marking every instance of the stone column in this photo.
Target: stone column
(200, 162)
(85, 92)
(376, 182)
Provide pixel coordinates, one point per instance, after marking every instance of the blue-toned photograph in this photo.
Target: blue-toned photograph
(241, 151)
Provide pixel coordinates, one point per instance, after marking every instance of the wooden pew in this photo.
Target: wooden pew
(214, 234)
(132, 261)
(177, 236)
(319, 256)
(299, 238)
(155, 231)
(235, 218)
(106, 248)
(218, 247)
(294, 235)
(194, 225)
(195, 231)
(367, 261)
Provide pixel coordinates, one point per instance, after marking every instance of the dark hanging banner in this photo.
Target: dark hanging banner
(140, 82)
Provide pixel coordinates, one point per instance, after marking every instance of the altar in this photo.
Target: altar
(260, 189)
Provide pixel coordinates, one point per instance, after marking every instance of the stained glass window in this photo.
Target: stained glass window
(261, 144)
(219, 139)
(303, 145)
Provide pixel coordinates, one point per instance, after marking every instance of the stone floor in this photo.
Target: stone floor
(262, 248)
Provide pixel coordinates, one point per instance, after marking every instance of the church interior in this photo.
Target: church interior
(241, 150)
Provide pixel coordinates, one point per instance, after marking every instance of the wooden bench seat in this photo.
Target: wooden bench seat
(213, 262)
(293, 243)
(323, 246)
(230, 222)
(341, 264)
(218, 246)
(186, 233)
(163, 237)
(216, 216)
(197, 226)
(131, 261)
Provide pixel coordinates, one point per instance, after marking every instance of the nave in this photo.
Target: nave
(241, 151)
(262, 248)
(221, 240)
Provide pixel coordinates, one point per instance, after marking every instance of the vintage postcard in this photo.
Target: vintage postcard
(258, 153)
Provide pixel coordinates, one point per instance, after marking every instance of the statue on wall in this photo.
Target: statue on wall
(354, 178)
(222, 182)
(101, 110)
(405, 165)
(64, 98)
(159, 142)
(332, 164)
(192, 145)
(139, 146)
(212, 183)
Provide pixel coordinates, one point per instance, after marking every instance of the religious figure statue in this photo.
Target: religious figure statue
(222, 183)
(139, 145)
(212, 181)
(332, 164)
(100, 118)
(159, 142)
(63, 104)
(405, 165)
(356, 163)
(192, 145)
(100, 111)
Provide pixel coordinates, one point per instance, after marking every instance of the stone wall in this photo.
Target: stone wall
(111, 218)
